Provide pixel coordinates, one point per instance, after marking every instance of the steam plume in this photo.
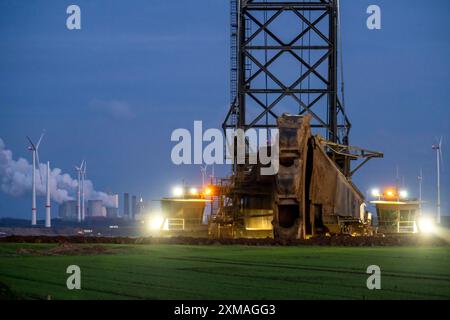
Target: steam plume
(15, 180)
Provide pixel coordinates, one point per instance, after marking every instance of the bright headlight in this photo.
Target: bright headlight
(156, 223)
(426, 225)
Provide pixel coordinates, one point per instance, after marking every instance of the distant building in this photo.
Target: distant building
(141, 206)
(68, 210)
(115, 198)
(126, 205)
(133, 207)
(112, 212)
(96, 209)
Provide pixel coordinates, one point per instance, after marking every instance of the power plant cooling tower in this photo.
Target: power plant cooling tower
(112, 212)
(115, 198)
(68, 210)
(96, 208)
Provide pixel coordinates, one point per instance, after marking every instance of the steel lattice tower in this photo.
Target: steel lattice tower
(284, 59)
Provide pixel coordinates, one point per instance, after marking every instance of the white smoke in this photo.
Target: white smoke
(16, 180)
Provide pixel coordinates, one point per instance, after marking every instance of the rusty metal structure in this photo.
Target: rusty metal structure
(285, 75)
(284, 59)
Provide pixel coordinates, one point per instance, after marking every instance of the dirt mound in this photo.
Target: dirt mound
(65, 249)
(65, 246)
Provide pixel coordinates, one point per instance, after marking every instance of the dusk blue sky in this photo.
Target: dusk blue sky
(113, 92)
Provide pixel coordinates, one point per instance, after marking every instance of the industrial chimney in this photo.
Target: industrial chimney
(126, 205)
(133, 207)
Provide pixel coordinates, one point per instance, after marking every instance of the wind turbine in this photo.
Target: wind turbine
(34, 149)
(438, 149)
(48, 218)
(83, 177)
(79, 171)
(203, 170)
(212, 175)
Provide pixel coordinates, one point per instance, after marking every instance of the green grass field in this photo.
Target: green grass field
(229, 272)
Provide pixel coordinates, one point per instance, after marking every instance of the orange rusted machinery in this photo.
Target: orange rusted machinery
(312, 195)
(292, 81)
(309, 195)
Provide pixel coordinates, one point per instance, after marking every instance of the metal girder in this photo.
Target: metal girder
(299, 5)
(351, 152)
(317, 81)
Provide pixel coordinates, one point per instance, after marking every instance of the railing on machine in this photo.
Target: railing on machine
(406, 227)
(175, 224)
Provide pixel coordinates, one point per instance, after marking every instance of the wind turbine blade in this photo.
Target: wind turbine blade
(31, 142)
(40, 139)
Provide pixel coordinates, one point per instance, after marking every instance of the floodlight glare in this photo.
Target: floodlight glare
(375, 192)
(156, 223)
(403, 194)
(178, 191)
(426, 225)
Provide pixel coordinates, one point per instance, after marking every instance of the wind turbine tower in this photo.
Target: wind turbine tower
(203, 170)
(83, 203)
(48, 218)
(34, 149)
(79, 172)
(438, 149)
